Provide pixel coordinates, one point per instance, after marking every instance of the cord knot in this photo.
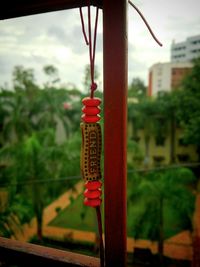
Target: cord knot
(93, 86)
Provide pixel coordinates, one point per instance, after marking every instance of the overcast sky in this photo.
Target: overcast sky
(56, 38)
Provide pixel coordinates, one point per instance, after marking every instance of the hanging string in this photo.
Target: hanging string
(100, 229)
(93, 87)
(146, 23)
(83, 26)
(92, 45)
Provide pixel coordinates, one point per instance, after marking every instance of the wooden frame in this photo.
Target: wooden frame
(115, 95)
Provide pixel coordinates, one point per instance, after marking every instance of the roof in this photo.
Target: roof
(20, 8)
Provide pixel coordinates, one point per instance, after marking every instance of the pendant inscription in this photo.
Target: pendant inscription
(91, 151)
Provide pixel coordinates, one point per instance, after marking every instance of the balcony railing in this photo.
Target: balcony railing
(115, 114)
(25, 254)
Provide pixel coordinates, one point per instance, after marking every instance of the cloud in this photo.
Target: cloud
(56, 38)
(68, 39)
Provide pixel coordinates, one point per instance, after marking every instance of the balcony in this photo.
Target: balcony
(25, 254)
(115, 113)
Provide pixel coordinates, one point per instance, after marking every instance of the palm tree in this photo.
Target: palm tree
(147, 113)
(37, 151)
(166, 109)
(28, 118)
(14, 209)
(30, 161)
(156, 193)
(20, 105)
(17, 123)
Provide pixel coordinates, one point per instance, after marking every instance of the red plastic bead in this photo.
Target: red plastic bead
(90, 119)
(91, 194)
(93, 185)
(92, 202)
(91, 110)
(91, 102)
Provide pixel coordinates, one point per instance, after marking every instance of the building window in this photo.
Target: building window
(173, 72)
(159, 71)
(160, 141)
(183, 157)
(158, 160)
(196, 42)
(136, 139)
(181, 142)
(195, 51)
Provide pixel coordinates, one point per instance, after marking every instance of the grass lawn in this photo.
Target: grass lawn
(78, 216)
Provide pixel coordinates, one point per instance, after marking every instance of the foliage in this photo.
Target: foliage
(14, 215)
(188, 105)
(134, 154)
(137, 89)
(158, 118)
(38, 142)
(76, 216)
(52, 73)
(154, 196)
(23, 79)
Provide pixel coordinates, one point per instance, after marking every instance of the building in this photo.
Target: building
(157, 151)
(187, 50)
(166, 76)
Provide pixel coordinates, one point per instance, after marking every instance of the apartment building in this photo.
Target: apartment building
(166, 76)
(187, 50)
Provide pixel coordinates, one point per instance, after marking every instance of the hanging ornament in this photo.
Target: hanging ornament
(91, 151)
(91, 136)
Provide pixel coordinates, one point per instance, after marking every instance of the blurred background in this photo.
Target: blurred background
(40, 109)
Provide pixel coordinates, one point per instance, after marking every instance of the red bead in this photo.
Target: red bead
(91, 194)
(90, 119)
(92, 202)
(93, 185)
(91, 110)
(91, 102)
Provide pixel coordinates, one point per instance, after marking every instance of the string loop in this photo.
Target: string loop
(146, 23)
(92, 45)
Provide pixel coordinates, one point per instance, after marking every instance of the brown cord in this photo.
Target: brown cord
(146, 23)
(101, 248)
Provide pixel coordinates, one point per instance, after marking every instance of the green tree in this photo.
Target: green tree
(14, 215)
(52, 73)
(166, 120)
(156, 193)
(27, 161)
(15, 208)
(188, 106)
(137, 89)
(17, 123)
(141, 116)
(29, 118)
(23, 78)
(147, 113)
(157, 118)
(20, 105)
(24, 82)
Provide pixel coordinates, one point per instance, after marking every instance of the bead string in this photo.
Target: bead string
(92, 46)
(146, 23)
(90, 117)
